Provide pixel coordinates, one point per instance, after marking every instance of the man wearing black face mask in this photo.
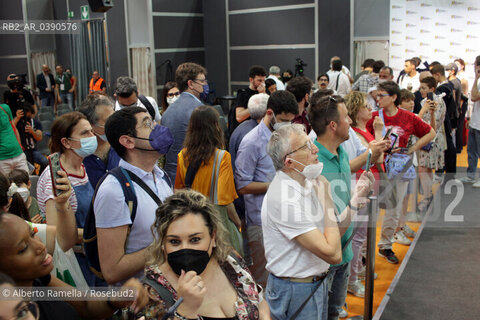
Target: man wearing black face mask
(139, 141)
(301, 87)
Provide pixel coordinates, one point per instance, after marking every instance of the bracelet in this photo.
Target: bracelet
(179, 316)
(355, 208)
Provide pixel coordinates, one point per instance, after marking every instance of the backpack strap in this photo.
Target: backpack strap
(338, 78)
(148, 105)
(215, 172)
(144, 186)
(163, 292)
(125, 181)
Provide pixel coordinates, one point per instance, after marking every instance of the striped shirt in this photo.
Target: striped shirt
(45, 193)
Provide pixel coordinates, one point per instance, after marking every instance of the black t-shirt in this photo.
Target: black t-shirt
(451, 114)
(457, 87)
(11, 99)
(53, 310)
(243, 96)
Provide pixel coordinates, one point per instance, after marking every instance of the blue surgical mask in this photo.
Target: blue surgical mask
(88, 146)
(206, 91)
(160, 139)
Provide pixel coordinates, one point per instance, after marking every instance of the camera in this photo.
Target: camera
(17, 81)
(299, 67)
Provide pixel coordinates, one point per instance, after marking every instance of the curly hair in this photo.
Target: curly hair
(354, 101)
(181, 203)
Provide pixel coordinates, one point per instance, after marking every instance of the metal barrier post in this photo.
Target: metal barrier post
(371, 246)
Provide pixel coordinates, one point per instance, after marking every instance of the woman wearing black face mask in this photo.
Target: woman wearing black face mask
(192, 259)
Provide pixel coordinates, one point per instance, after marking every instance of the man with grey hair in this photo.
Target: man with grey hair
(274, 74)
(300, 230)
(257, 107)
(97, 109)
(127, 95)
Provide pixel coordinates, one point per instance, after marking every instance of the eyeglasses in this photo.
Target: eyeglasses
(202, 81)
(383, 95)
(173, 94)
(308, 144)
(148, 123)
(26, 309)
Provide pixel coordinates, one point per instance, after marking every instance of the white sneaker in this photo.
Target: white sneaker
(356, 288)
(408, 232)
(467, 180)
(476, 184)
(400, 238)
(343, 314)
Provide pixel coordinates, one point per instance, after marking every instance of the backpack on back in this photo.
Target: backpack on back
(125, 178)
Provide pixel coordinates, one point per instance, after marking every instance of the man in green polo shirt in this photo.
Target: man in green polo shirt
(330, 121)
(64, 86)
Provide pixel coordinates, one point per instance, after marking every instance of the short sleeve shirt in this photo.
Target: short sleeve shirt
(288, 211)
(336, 169)
(111, 210)
(404, 124)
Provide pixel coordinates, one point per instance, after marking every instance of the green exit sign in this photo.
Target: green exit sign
(70, 14)
(85, 12)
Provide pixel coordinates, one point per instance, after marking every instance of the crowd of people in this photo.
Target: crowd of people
(255, 222)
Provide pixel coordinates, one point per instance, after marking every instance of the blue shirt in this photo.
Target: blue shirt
(96, 168)
(237, 136)
(176, 118)
(111, 210)
(336, 169)
(253, 164)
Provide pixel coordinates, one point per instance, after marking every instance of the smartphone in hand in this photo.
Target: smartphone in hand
(393, 138)
(369, 157)
(54, 164)
(430, 96)
(387, 135)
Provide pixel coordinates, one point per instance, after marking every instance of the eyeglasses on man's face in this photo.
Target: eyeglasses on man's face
(308, 145)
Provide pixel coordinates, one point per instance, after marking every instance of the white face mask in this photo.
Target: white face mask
(171, 100)
(311, 171)
(24, 193)
(277, 125)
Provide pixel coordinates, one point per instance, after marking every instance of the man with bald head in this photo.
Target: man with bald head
(46, 85)
(97, 84)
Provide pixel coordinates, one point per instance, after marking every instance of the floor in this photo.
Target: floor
(386, 271)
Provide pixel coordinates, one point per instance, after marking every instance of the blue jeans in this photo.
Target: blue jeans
(473, 151)
(284, 297)
(67, 98)
(49, 100)
(337, 293)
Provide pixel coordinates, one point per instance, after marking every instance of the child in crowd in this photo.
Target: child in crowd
(407, 102)
(22, 180)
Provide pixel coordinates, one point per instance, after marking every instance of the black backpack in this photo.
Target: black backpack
(125, 178)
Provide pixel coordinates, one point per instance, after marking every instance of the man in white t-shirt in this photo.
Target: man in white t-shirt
(339, 81)
(126, 94)
(300, 240)
(411, 79)
(274, 74)
(473, 144)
